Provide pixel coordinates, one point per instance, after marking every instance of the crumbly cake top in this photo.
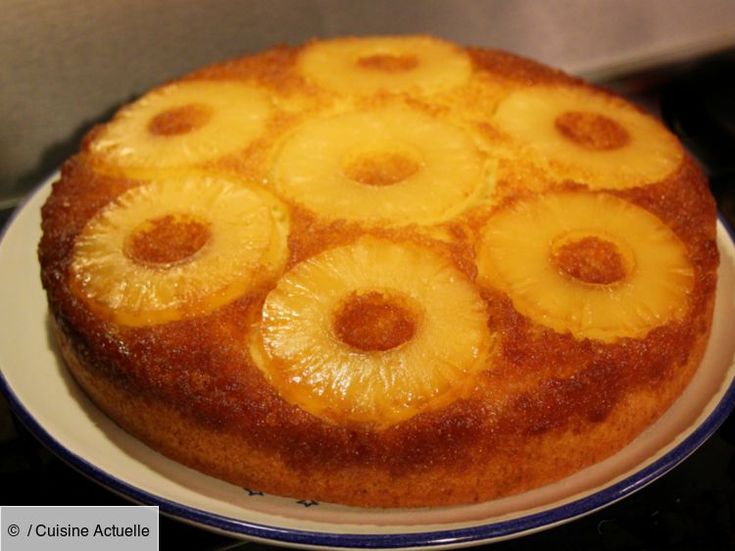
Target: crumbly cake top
(391, 249)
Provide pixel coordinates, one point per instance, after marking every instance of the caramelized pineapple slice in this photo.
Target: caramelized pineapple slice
(373, 332)
(394, 166)
(183, 124)
(590, 264)
(174, 249)
(420, 64)
(589, 137)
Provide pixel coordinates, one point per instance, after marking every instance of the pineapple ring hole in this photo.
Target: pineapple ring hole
(381, 168)
(388, 63)
(167, 240)
(180, 120)
(592, 259)
(592, 130)
(375, 321)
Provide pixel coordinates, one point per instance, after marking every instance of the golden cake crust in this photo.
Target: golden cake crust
(549, 406)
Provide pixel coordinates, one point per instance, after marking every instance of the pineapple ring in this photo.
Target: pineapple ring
(517, 255)
(392, 166)
(391, 64)
(425, 367)
(184, 124)
(244, 245)
(589, 137)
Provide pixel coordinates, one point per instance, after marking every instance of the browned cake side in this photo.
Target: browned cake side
(208, 382)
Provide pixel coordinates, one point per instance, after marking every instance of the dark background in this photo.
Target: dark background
(67, 64)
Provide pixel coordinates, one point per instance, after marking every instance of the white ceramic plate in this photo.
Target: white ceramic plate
(48, 401)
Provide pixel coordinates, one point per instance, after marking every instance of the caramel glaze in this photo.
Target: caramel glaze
(542, 385)
(590, 260)
(373, 321)
(166, 240)
(592, 130)
(180, 120)
(388, 63)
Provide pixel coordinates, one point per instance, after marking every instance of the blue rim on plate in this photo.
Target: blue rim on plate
(477, 534)
(453, 536)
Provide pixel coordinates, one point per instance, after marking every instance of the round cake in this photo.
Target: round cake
(381, 271)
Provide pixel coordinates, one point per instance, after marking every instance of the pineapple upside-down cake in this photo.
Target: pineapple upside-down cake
(382, 271)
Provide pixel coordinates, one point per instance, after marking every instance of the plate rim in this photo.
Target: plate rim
(479, 532)
(436, 538)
